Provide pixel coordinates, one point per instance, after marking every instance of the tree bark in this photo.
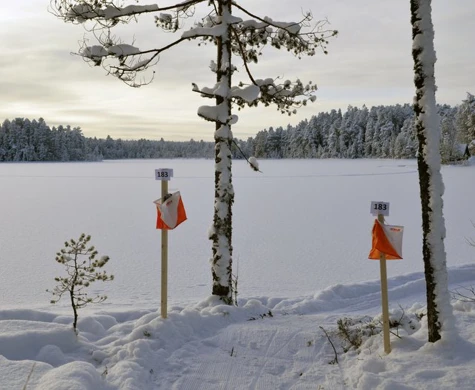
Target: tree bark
(221, 233)
(72, 294)
(428, 161)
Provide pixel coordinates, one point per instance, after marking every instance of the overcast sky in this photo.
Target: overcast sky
(368, 63)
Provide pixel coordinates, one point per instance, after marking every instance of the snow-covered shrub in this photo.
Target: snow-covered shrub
(352, 333)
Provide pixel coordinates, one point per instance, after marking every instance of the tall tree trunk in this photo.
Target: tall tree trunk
(439, 310)
(221, 232)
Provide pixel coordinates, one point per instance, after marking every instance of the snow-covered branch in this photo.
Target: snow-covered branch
(130, 58)
(301, 37)
(80, 11)
(287, 96)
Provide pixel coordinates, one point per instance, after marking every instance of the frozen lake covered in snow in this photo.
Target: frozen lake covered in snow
(299, 227)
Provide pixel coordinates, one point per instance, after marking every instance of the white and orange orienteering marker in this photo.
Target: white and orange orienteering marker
(171, 212)
(387, 240)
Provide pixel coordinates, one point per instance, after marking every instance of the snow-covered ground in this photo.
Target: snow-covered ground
(301, 239)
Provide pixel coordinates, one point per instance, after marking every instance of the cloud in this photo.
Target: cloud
(369, 63)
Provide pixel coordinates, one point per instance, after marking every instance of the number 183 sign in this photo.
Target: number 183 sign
(381, 208)
(163, 174)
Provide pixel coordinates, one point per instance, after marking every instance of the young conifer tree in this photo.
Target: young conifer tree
(82, 269)
(239, 40)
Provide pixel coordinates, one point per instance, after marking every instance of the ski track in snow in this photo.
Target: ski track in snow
(241, 363)
(289, 354)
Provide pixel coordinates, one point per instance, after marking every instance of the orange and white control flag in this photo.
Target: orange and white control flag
(170, 211)
(387, 240)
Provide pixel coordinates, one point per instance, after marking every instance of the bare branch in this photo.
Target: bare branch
(335, 360)
(468, 297)
(253, 166)
(243, 55)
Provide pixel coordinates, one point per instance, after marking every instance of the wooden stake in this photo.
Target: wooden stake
(384, 296)
(164, 286)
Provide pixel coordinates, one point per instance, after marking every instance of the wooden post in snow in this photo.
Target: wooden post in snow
(384, 296)
(164, 175)
(170, 214)
(164, 284)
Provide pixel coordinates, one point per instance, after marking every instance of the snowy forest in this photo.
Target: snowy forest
(378, 132)
(33, 140)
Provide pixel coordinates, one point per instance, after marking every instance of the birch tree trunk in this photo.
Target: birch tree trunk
(439, 310)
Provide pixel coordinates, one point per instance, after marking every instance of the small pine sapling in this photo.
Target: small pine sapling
(82, 269)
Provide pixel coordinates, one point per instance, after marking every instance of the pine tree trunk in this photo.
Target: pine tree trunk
(221, 232)
(72, 294)
(75, 311)
(439, 311)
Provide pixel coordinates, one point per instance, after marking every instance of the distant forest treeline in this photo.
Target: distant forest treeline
(32, 140)
(378, 132)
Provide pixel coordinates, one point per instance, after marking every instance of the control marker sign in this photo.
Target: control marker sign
(163, 174)
(380, 208)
